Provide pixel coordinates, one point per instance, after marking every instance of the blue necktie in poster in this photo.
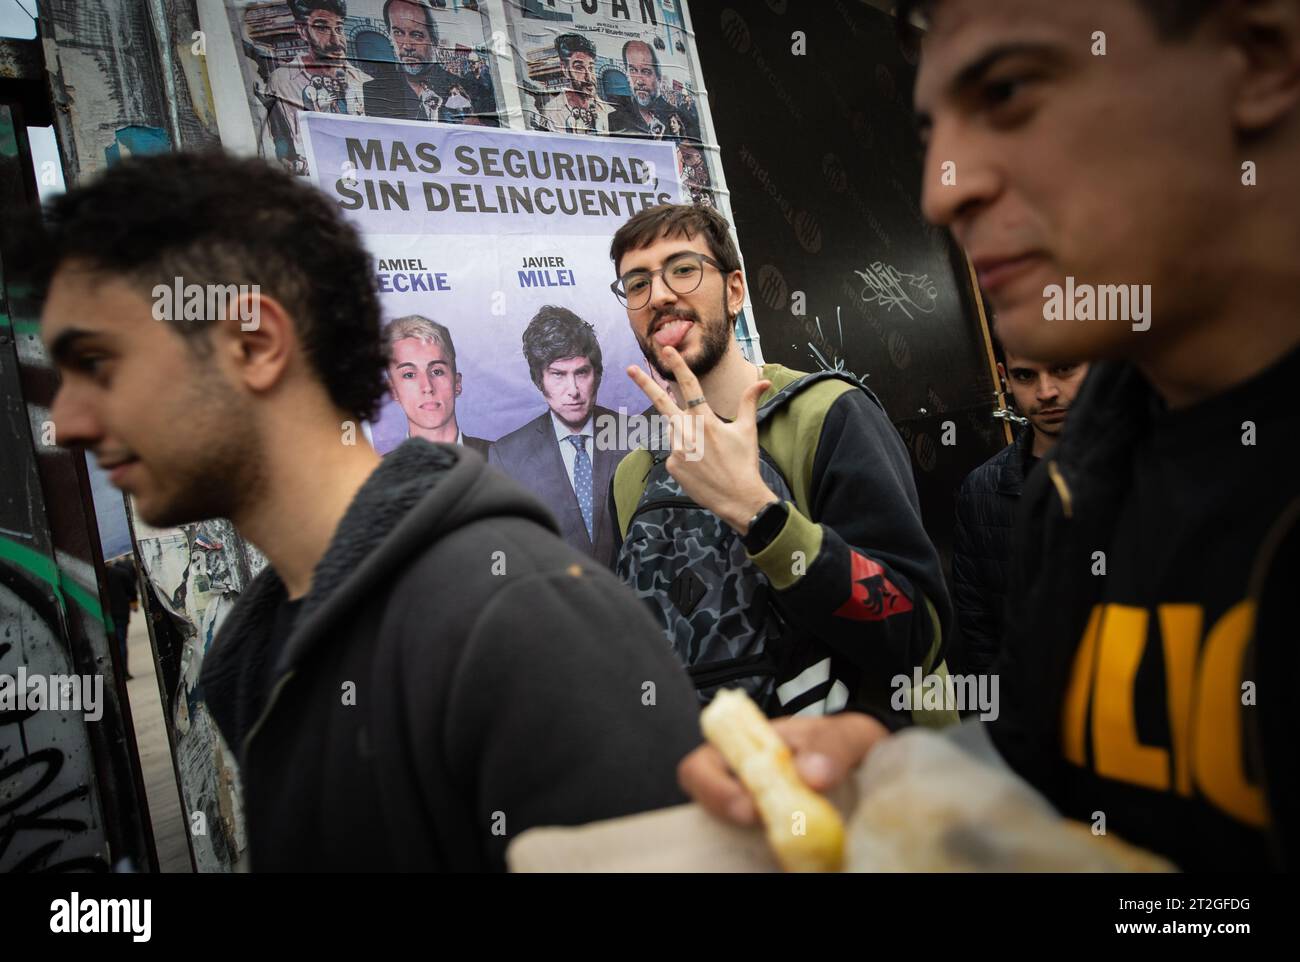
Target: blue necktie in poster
(582, 476)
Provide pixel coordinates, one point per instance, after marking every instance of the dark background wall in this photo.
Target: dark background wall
(824, 167)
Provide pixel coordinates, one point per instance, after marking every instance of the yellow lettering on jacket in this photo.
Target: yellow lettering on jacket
(1217, 741)
(1202, 699)
(1080, 690)
(1116, 751)
(1180, 628)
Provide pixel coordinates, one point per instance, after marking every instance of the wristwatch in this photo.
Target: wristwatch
(765, 526)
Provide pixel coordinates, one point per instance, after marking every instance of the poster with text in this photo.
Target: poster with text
(611, 68)
(492, 259)
(421, 60)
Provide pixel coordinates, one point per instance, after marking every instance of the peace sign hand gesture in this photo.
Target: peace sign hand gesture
(715, 461)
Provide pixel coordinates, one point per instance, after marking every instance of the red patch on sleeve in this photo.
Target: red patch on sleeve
(874, 596)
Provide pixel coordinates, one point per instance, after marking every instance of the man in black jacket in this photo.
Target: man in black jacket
(799, 569)
(986, 506)
(421, 88)
(425, 670)
(1147, 679)
(644, 112)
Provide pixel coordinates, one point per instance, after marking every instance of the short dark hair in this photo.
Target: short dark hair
(653, 56)
(555, 333)
(677, 220)
(212, 218)
(428, 15)
(1173, 18)
(567, 44)
(302, 9)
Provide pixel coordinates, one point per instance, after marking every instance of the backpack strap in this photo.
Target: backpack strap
(800, 384)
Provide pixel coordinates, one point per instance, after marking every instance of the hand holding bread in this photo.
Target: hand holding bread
(804, 830)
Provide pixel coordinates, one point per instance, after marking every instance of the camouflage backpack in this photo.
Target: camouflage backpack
(692, 570)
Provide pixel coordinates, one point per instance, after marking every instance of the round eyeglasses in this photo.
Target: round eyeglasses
(683, 274)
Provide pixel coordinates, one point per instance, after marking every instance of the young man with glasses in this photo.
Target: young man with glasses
(776, 533)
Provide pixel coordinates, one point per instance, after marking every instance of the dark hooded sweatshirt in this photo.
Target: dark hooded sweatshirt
(1149, 667)
(455, 676)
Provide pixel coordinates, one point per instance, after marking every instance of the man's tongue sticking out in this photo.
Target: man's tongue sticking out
(670, 334)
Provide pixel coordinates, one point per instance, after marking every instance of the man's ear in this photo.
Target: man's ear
(735, 292)
(259, 339)
(1266, 36)
(458, 384)
(1002, 374)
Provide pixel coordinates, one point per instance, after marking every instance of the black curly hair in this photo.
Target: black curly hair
(556, 333)
(302, 9)
(212, 218)
(567, 44)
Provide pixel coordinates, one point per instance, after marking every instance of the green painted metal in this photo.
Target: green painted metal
(43, 567)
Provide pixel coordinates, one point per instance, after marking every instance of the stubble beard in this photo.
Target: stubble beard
(222, 473)
(715, 338)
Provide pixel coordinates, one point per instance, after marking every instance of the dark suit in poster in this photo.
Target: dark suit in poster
(531, 455)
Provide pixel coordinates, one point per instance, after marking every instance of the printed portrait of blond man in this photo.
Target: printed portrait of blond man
(424, 381)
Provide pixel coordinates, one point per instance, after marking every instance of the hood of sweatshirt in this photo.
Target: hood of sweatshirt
(1108, 417)
(419, 493)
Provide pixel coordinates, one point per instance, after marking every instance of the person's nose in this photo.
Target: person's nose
(75, 422)
(661, 295)
(957, 180)
(1048, 389)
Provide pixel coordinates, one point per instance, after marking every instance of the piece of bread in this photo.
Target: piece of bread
(805, 831)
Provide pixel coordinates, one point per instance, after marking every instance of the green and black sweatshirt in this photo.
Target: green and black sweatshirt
(869, 603)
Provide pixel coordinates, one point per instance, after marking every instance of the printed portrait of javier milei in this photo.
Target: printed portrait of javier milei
(567, 454)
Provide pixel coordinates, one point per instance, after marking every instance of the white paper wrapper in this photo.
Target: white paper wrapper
(922, 802)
